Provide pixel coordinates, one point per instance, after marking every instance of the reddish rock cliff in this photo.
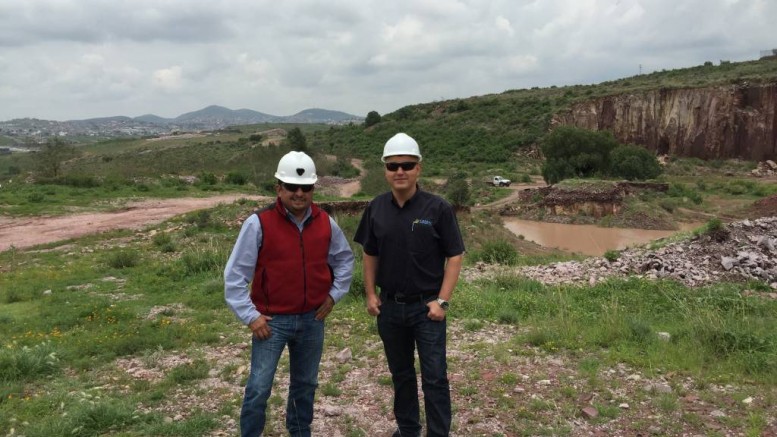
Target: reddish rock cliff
(735, 121)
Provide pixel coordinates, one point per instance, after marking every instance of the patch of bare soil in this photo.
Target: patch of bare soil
(31, 231)
(343, 187)
(763, 208)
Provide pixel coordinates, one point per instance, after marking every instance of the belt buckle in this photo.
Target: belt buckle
(398, 300)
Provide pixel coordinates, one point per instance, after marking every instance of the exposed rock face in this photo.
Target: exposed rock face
(736, 121)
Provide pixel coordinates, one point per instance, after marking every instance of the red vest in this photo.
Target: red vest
(292, 275)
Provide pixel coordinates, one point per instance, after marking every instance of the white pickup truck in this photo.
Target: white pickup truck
(499, 181)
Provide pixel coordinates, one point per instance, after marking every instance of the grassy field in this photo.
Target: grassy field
(127, 334)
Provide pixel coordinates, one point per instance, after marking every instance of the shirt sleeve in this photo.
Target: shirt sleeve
(364, 234)
(240, 268)
(341, 260)
(451, 240)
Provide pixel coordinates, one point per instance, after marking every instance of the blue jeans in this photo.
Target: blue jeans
(305, 337)
(403, 327)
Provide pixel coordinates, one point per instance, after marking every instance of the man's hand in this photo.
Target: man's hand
(325, 308)
(260, 328)
(373, 304)
(436, 312)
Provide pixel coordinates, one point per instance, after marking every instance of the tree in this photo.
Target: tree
(632, 162)
(372, 119)
(50, 157)
(573, 152)
(457, 190)
(296, 139)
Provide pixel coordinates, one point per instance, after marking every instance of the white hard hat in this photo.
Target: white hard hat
(401, 144)
(296, 168)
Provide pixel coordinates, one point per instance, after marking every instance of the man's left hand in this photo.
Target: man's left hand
(325, 308)
(436, 312)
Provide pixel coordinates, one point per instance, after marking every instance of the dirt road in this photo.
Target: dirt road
(31, 231)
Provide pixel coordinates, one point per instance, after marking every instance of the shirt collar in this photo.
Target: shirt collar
(410, 200)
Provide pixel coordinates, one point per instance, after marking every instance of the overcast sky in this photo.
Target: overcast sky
(75, 59)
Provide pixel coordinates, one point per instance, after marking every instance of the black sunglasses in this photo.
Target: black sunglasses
(406, 166)
(292, 188)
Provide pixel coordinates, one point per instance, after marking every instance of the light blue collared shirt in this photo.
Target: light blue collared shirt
(241, 266)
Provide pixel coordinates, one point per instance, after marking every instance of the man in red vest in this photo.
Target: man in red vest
(298, 264)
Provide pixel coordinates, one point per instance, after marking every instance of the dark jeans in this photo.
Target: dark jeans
(305, 337)
(403, 327)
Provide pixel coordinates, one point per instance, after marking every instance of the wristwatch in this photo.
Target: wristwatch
(443, 303)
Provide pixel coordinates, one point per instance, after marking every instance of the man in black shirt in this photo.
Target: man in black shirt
(412, 252)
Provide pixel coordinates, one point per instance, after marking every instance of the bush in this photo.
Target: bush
(35, 197)
(573, 152)
(28, 363)
(499, 252)
(164, 242)
(632, 162)
(457, 190)
(196, 261)
(612, 255)
(682, 191)
(207, 178)
(123, 259)
(235, 178)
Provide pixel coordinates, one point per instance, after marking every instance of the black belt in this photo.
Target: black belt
(409, 298)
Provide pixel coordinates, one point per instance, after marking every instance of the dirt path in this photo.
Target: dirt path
(31, 231)
(516, 191)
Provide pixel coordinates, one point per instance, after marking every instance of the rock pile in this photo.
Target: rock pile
(744, 250)
(765, 168)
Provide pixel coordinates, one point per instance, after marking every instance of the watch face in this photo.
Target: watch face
(443, 304)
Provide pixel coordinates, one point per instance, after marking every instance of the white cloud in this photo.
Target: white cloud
(168, 79)
(87, 58)
(504, 25)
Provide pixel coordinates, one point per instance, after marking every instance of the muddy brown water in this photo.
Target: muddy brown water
(585, 239)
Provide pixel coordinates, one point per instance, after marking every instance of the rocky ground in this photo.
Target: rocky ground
(739, 251)
(501, 387)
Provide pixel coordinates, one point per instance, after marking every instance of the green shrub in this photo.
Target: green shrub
(612, 255)
(164, 242)
(207, 178)
(123, 259)
(189, 372)
(27, 363)
(35, 197)
(235, 178)
(713, 225)
(633, 162)
(457, 190)
(574, 152)
(203, 260)
(499, 252)
(680, 190)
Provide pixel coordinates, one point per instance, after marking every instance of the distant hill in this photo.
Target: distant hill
(208, 118)
(309, 115)
(151, 118)
(222, 116)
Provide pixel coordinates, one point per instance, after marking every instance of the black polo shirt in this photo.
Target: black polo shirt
(412, 242)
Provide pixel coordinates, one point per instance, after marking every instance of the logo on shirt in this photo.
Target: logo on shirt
(420, 222)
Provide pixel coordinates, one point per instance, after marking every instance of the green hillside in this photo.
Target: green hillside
(492, 128)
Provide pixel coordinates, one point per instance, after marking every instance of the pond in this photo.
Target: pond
(586, 239)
